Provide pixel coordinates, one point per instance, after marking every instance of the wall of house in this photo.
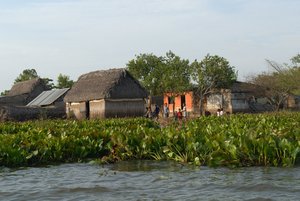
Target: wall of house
(214, 102)
(124, 108)
(97, 109)
(239, 102)
(107, 108)
(76, 110)
(227, 101)
(19, 100)
(178, 103)
(23, 113)
(297, 102)
(230, 102)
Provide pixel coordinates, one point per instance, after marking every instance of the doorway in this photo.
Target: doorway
(87, 110)
(182, 101)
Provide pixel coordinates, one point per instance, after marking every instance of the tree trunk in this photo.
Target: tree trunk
(201, 105)
(149, 101)
(173, 98)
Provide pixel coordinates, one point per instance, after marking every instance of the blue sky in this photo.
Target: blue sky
(79, 36)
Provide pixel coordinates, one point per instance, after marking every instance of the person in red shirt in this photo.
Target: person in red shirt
(179, 114)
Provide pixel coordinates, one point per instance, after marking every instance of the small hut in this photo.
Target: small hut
(23, 92)
(51, 99)
(186, 99)
(105, 94)
(241, 97)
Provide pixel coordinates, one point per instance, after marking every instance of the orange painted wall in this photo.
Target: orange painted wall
(178, 104)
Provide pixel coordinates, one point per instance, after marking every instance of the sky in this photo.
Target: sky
(73, 37)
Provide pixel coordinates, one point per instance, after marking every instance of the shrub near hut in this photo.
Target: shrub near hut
(235, 140)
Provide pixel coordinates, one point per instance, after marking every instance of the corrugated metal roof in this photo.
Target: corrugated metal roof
(47, 97)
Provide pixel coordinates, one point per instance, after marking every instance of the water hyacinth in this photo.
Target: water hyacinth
(236, 140)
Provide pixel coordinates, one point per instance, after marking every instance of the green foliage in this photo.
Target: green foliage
(281, 82)
(233, 141)
(161, 74)
(211, 73)
(295, 77)
(148, 68)
(64, 81)
(4, 93)
(27, 74)
(176, 74)
(48, 82)
(296, 60)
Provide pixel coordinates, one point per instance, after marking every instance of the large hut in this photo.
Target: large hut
(105, 94)
(23, 92)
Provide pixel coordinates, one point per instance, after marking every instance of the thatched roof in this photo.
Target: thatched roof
(103, 84)
(244, 87)
(25, 87)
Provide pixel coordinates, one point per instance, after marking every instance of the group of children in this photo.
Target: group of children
(220, 112)
(150, 114)
(181, 114)
(178, 115)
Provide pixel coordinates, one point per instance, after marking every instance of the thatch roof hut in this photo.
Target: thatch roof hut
(106, 93)
(23, 92)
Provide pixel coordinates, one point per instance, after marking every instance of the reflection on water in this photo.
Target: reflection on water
(148, 180)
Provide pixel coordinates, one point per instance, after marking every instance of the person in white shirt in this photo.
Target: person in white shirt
(184, 112)
(166, 111)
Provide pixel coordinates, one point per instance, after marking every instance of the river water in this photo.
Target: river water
(148, 180)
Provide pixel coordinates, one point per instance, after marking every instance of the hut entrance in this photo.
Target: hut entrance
(87, 110)
(182, 100)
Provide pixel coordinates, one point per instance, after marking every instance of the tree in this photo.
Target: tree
(281, 82)
(27, 74)
(147, 69)
(211, 73)
(296, 60)
(295, 71)
(175, 76)
(162, 74)
(275, 90)
(4, 93)
(64, 81)
(48, 82)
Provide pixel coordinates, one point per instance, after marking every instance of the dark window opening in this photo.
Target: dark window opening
(170, 100)
(182, 100)
(87, 110)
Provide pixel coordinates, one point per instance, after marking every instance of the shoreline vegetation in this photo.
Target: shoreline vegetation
(239, 140)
